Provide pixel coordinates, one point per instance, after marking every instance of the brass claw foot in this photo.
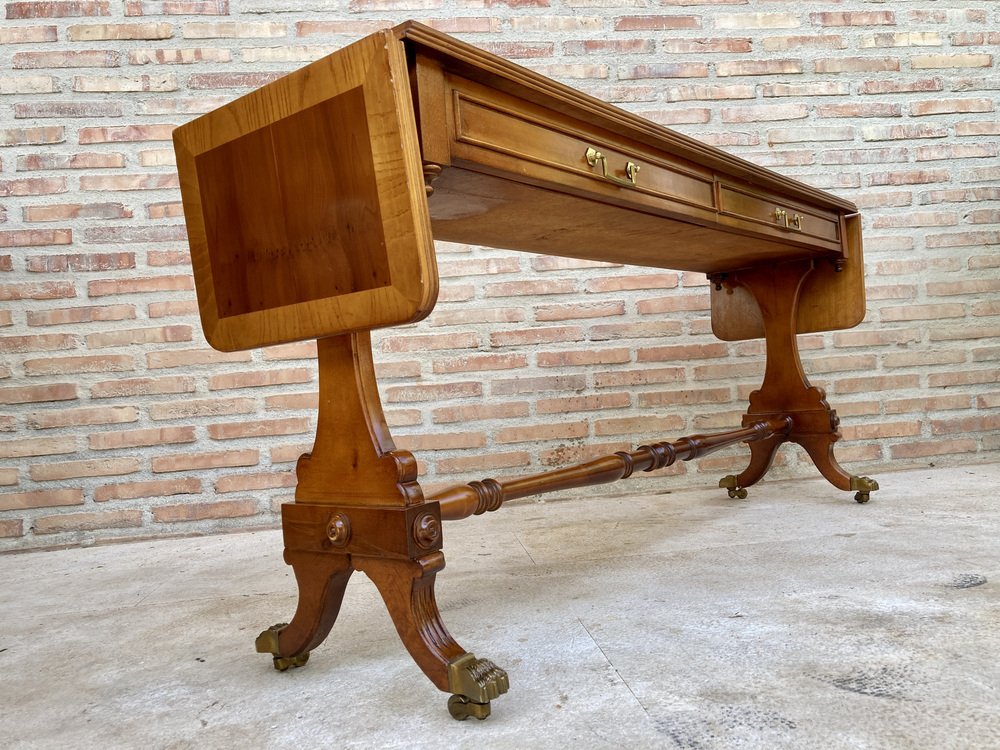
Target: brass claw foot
(730, 483)
(267, 643)
(474, 682)
(864, 486)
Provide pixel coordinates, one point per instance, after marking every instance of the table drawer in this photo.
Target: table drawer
(502, 132)
(779, 216)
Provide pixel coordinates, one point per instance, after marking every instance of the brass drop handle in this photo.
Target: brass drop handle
(631, 168)
(795, 222)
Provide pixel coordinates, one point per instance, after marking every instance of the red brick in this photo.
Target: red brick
(585, 357)
(856, 64)
(80, 262)
(974, 377)
(127, 387)
(920, 449)
(528, 336)
(64, 110)
(707, 46)
(35, 136)
(567, 455)
(65, 211)
(156, 488)
(11, 527)
(964, 60)
(89, 468)
(40, 499)
(36, 238)
(38, 393)
(63, 9)
(626, 283)
(28, 34)
(860, 109)
(45, 342)
(105, 287)
(67, 365)
(792, 42)
(429, 342)
(432, 392)
(247, 482)
(950, 106)
(34, 186)
(205, 460)
(635, 330)
(644, 425)
(441, 441)
(583, 403)
(83, 416)
(231, 80)
(758, 68)
(128, 337)
(510, 410)
(25, 447)
(126, 133)
(183, 56)
(559, 431)
(141, 438)
(480, 362)
(200, 408)
(483, 462)
(528, 288)
(66, 315)
(686, 396)
(82, 160)
(65, 522)
(260, 428)
(662, 70)
(65, 59)
(205, 511)
(645, 376)
(257, 378)
(896, 86)
(192, 357)
(857, 18)
(764, 112)
(977, 423)
(511, 386)
(657, 23)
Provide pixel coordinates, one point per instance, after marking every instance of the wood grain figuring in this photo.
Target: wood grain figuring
(304, 204)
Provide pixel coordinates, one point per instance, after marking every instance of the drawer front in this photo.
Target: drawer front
(778, 216)
(506, 133)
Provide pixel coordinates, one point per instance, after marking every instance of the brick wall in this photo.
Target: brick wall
(117, 420)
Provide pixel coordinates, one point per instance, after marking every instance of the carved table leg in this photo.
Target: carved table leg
(322, 580)
(407, 586)
(358, 506)
(785, 389)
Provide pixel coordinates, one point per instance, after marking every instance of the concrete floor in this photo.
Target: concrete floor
(792, 619)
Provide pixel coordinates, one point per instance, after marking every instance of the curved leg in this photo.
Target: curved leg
(762, 453)
(322, 579)
(407, 586)
(820, 450)
(785, 390)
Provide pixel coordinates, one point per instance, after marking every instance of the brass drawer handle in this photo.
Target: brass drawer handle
(631, 168)
(795, 222)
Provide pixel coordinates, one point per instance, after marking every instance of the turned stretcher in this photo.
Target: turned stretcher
(312, 205)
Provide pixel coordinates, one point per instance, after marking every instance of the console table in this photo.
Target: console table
(312, 205)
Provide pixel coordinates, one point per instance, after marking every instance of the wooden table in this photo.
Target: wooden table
(312, 205)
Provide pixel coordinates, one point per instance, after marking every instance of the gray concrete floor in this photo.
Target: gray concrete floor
(792, 619)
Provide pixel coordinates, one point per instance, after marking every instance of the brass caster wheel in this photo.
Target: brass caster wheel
(283, 663)
(739, 492)
(865, 486)
(461, 708)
